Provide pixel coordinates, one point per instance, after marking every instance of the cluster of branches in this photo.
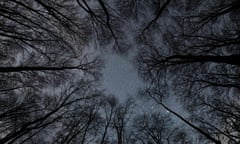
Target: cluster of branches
(186, 48)
(197, 61)
(48, 80)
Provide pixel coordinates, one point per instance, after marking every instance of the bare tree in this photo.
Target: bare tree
(158, 128)
(198, 60)
(122, 116)
(109, 106)
(27, 120)
(43, 50)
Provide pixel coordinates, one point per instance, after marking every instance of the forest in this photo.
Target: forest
(51, 62)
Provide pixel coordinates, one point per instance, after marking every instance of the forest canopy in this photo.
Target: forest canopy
(51, 63)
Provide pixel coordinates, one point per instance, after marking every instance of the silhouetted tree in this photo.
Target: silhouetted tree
(122, 116)
(158, 128)
(197, 59)
(109, 105)
(50, 76)
(47, 76)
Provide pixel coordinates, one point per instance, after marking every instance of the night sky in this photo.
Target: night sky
(120, 77)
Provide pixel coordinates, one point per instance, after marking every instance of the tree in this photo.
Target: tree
(49, 76)
(30, 119)
(157, 128)
(43, 50)
(109, 105)
(198, 61)
(122, 116)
